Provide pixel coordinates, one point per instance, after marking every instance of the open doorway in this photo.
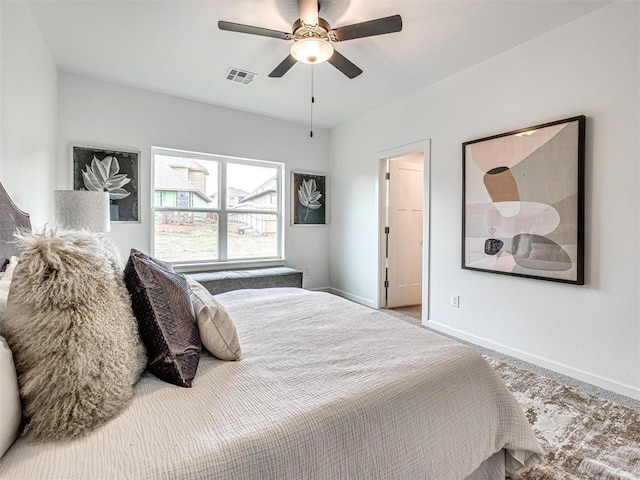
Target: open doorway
(404, 230)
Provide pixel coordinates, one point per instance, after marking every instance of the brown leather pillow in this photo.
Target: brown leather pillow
(162, 306)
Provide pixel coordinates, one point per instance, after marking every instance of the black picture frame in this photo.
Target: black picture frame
(121, 179)
(308, 199)
(523, 202)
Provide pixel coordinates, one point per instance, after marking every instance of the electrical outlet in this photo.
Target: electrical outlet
(455, 300)
(308, 271)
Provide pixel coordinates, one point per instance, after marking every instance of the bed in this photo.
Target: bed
(325, 389)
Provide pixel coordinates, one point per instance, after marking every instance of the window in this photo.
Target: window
(183, 199)
(194, 223)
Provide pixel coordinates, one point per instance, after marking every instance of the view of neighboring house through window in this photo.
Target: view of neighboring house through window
(194, 224)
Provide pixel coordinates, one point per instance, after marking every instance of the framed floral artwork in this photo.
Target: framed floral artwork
(115, 171)
(308, 198)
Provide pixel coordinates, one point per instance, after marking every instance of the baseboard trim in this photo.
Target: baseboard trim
(353, 298)
(319, 289)
(602, 382)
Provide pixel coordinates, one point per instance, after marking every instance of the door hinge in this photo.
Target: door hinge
(387, 175)
(386, 284)
(386, 229)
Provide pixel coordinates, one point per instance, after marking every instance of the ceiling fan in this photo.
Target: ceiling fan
(313, 36)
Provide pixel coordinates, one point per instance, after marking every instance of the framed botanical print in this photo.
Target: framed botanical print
(115, 171)
(523, 202)
(308, 199)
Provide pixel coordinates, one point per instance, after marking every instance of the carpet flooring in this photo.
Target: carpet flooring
(585, 435)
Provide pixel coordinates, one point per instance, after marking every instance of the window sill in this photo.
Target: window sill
(232, 265)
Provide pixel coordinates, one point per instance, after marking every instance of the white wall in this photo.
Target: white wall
(29, 108)
(591, 67)
(1, 38)
(105, 114)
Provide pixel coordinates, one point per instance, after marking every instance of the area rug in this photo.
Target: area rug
(584, 436)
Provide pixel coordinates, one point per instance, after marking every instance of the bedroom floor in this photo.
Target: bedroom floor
(414, 311)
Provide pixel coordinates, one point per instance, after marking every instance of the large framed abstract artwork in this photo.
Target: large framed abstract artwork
(523, 202)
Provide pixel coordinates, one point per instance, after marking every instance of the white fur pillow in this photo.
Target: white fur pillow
(9, 399)
(217, 331)
(72, 332)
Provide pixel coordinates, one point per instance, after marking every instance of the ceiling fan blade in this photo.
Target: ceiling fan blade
(308, 11)
(344, 65)
(251, 30)
(370, 28)
(284, 67)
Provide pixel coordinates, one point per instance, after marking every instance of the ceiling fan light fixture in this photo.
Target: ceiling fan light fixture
(311, 50)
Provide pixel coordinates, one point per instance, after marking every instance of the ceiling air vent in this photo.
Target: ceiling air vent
(240, 76)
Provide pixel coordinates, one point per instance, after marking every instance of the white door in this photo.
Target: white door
(404, 262)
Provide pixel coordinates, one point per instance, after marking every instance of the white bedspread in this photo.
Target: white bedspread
(326, 389)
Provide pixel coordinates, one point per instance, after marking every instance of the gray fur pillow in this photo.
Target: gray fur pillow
(72, 332)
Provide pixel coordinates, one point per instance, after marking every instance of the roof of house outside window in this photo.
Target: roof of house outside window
(166, 178)
(267, 187)
(180, 162)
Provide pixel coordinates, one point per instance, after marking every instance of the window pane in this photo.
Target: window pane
(186, 236)
(252, 235)
(251, 187)
(185, 182)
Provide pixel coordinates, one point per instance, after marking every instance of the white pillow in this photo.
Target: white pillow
(9, 399)
(5, 283)
(217, 331)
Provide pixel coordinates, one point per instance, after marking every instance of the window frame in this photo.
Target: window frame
(222, 262)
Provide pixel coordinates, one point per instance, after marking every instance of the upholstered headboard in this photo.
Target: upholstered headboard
(11, 219)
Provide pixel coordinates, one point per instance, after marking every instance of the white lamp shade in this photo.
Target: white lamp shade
(82, 210)
(311, 50)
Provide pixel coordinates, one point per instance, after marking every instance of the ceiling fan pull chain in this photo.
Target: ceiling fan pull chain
(313, 100)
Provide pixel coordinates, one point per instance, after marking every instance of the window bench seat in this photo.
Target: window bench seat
(226, 280)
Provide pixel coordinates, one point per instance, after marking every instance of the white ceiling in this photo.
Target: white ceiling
(175, 47)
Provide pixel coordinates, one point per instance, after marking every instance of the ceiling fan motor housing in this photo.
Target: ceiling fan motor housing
(302, 30)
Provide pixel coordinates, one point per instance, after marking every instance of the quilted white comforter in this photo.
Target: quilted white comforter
(326, 389)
